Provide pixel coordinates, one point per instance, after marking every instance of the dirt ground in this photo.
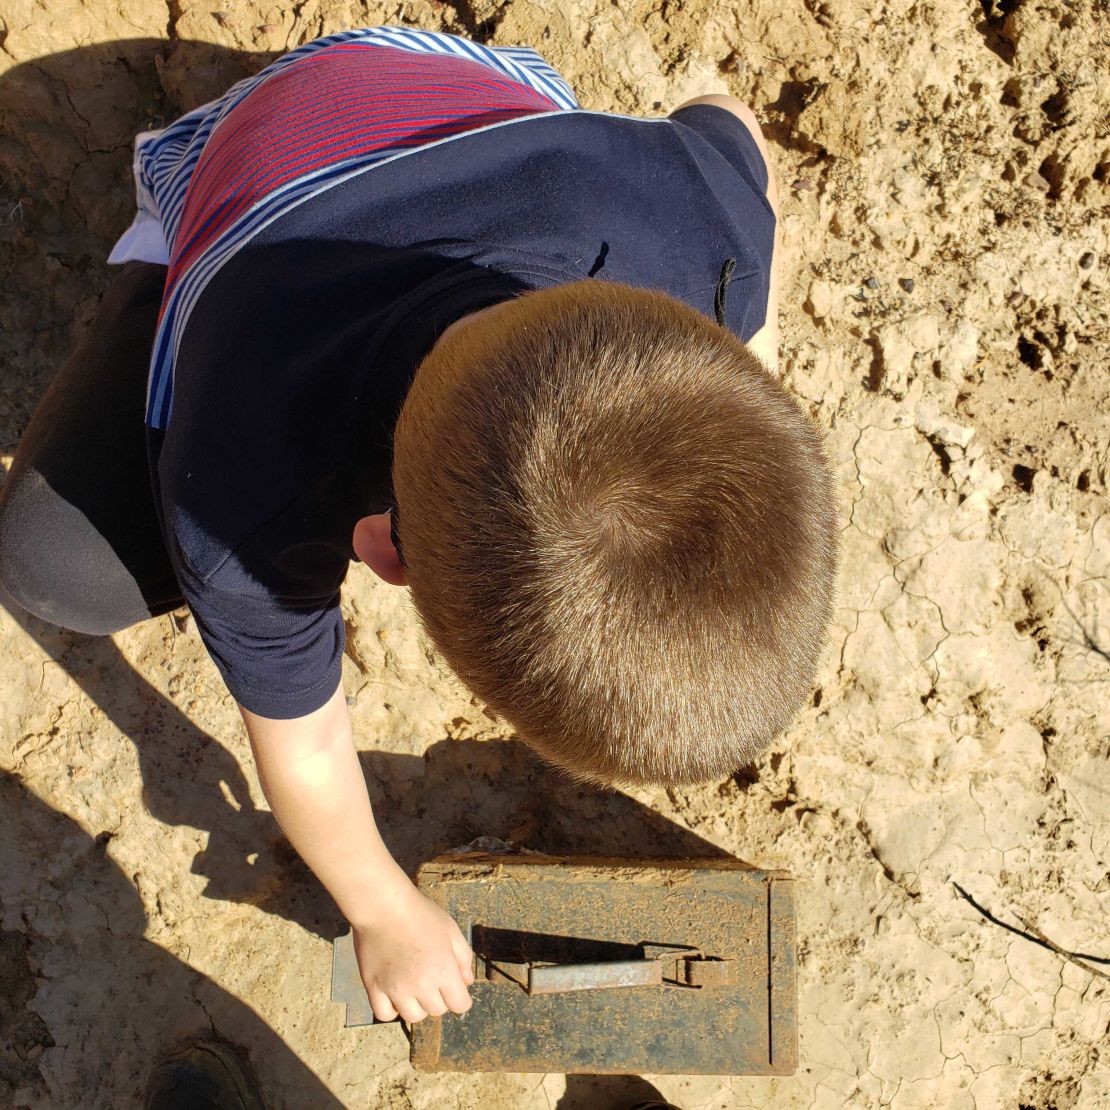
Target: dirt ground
(945, 174)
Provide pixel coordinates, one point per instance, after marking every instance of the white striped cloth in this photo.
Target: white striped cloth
(165, 161)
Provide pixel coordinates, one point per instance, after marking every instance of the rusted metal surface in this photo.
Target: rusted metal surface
(504, 971)
(710, 973)
(560, 978)
(782, 983)
(346, 983)
(736, 1018)
(657, 967)
(697, 962)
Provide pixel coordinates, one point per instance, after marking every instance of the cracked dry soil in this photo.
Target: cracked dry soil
(945, 173)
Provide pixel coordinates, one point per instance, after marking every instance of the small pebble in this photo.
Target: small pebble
(1087, 261)
(906, 284)
(1014, 296)
(872, 283)
(819, 301)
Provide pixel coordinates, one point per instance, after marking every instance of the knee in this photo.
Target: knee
(44, 560)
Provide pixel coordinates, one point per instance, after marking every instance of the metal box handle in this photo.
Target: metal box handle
(688, 967)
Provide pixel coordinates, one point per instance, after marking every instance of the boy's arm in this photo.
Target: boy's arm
(413, 958)
(765, 342)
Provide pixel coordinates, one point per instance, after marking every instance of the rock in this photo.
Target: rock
(898, 343)
(962, 350)
(1087, 260)
(922, 331)
(896, 356)
(820, 299)
(939, 426)
(872, 283)
(906, 284)
(1036, 532)
(977, 480)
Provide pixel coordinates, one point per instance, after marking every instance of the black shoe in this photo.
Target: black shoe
(206, 1075)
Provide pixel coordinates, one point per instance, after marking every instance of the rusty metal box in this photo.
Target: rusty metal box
(588, 965)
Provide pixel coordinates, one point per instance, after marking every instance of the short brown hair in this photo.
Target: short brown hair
(619, 530)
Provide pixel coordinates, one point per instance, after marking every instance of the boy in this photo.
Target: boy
(410, 305)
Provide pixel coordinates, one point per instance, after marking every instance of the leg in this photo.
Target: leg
(80, 544)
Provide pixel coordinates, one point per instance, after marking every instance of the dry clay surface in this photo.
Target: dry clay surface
(945, 177)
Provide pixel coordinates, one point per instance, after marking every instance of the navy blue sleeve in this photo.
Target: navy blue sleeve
(279, 659)
(732, 140)
(737, 175)
(267, 611)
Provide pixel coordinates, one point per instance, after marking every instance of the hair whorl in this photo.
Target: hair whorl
(619, 529)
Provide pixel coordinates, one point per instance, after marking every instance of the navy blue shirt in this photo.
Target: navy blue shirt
(298, 354)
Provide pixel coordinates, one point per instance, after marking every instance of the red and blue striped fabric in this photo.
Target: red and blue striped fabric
(332, 109)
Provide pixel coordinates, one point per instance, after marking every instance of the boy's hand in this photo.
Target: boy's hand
(413, 960)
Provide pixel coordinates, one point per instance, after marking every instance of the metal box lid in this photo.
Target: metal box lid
(589, 965)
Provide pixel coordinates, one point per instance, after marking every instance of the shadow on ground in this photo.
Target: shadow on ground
(608, 1092)
(459, 790)
(67, 122)
(77, 898)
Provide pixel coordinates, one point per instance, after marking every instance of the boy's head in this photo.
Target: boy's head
(619, 530)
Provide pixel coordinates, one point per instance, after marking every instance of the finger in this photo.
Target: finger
(384, 1010)
(465, 958)
(410, 1010)
(457, 997)
(433, 1003)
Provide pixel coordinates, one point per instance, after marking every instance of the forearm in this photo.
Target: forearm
(312, 778)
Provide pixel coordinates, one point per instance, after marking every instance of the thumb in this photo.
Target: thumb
(464, 957)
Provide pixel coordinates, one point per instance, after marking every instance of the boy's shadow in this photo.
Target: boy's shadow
(459, 790)
(134, 1001)
(464, 789)
(147, 998)
(73, 115)
(67, 122)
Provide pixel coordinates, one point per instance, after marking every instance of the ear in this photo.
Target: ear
(374, 546)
